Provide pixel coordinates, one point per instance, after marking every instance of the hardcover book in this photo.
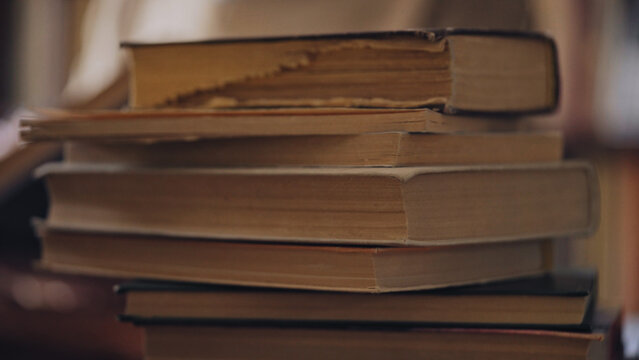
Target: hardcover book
(318, 342)
(455, 71)
(417, 206)
(373, 149)
(557, 300)
(191, 124)
(336, 268)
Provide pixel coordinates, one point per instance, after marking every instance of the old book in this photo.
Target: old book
(560, 300)
(318, 342)
(373, 206)
(350, 268)
(375, 149)
(189, 124)
(455, 70)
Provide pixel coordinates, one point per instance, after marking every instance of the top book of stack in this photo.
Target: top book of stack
(453, 71)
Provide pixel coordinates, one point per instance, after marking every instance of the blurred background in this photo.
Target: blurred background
(65, 53)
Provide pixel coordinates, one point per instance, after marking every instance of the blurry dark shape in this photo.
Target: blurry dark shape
(7, 35)
(38, 321)
(17, 240)
(16, 169)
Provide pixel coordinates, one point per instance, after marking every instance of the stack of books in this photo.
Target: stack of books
(336, 196)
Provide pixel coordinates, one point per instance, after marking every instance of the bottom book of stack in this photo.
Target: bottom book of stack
(547, 316)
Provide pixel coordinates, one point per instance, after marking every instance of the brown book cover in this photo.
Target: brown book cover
(372, 149)
(456, 71)
(192, 124)
(417, 206)
(318, 267)
(323, 342)
(555, 300)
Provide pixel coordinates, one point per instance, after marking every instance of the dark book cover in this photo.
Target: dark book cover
(565, 283)
(571, 282)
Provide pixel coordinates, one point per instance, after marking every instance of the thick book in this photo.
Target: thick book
(456, 71)
(373, 149)
(557, 300)
(190, 124)
(343, 268)
(317, 342)
(415, 206)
